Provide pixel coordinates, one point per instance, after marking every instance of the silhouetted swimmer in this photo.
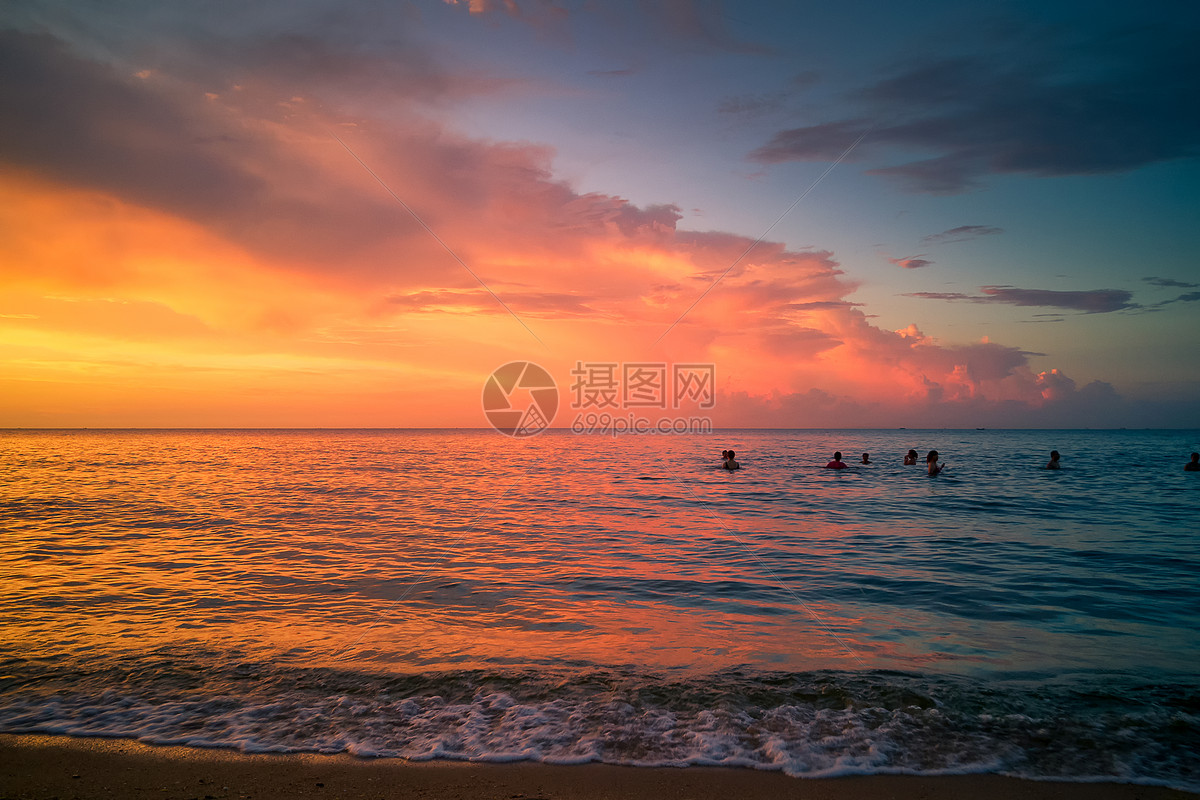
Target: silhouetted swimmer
(730, 462)
(931, 461)
(866, 458)
(911, 458)
(837, 462)
(1194, 464)
(1053, 461)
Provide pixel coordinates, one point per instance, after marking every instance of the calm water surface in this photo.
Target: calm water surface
(439, 594)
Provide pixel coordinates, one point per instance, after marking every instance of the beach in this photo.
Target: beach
(44, 767)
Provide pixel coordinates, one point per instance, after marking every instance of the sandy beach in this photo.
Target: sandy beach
(37, 767)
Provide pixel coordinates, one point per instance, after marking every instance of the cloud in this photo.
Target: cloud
(121, 319)
(249, 245)
(824, 142)
(478, 301)
(510, 7)
(1107, 105)
(912, 262)
(960, 234)
(1188, 297)
(1092, 301)
(1171, 283)
(77, 121)
(1059, 403)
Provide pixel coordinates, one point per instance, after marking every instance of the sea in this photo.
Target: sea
(564, 598)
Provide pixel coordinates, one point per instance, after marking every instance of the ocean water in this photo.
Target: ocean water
(464, 595)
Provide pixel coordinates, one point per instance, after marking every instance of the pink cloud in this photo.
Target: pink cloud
(912, 262)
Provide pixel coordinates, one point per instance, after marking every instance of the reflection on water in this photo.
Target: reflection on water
(410, 551)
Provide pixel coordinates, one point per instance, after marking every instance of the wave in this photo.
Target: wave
(1086, 726)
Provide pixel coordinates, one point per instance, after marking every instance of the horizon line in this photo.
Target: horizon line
(567, 429)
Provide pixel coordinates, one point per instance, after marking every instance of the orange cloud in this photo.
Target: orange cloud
(260, 275)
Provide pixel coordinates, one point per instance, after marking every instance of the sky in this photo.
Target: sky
(348, 214)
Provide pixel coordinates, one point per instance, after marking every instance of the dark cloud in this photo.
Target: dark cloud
(912, 262)
(825, 142)
(1092, 301)
(82, 123)
(1112, 104)
(1189, 297)
(1171, 283)
(960, 234)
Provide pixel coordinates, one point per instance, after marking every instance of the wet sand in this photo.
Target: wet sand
(44, 767)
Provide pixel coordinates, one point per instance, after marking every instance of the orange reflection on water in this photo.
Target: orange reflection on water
(332, 548)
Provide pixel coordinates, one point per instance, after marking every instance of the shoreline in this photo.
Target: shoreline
(39, 767)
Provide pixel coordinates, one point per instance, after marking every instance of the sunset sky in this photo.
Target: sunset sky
(344, 214)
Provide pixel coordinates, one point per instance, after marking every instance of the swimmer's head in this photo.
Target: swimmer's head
(837, 456)
(933, 456)
(912, 453)
(1195, 457)
(1054, 455)
(731, 454)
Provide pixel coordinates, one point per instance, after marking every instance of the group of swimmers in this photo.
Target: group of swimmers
(729, 460)
(931, 461)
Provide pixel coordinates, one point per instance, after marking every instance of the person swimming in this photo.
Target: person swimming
(866, 458)
(837, 462)
(730, 462)
(931, 461)
(911, 458)
(1194, 464)
(1054, 461)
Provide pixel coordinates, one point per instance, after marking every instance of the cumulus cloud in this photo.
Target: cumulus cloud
(1109, 105)
(961, 234)
(1091, 301)
(1058, 403)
